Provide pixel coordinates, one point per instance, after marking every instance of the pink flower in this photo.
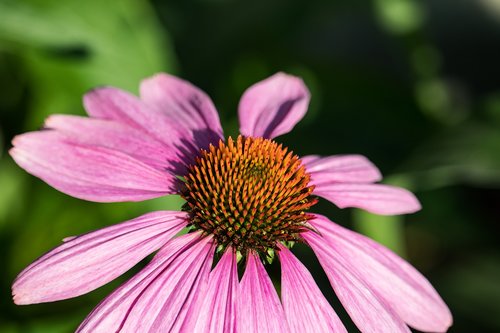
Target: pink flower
(247, 201)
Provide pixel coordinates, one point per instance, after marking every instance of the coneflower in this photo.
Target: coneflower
(247, 201)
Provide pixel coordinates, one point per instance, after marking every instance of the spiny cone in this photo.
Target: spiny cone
(250, 194)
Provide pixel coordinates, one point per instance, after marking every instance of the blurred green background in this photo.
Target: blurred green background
(413, 85)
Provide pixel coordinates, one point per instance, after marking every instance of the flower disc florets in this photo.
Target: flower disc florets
(250, 194)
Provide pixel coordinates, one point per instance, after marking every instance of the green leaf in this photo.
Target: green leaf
(13, 183)
(387, 230)
(72, 46)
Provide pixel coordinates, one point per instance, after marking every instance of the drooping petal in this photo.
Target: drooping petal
(340, 169)
(160, 297)
(260, 309)
(185, 105)
(375, 198)
(402, 286)
(86, 171)
(217, 310)
(86, 262)
(114, 135)
(307, 310)
(368, 310)
(273, 106)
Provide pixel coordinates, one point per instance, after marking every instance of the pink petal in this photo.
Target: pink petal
(375, 198)
(114, 104)
(89, 261)
(402, 286)
(260, 310)
(120, 106)
(273, 106)
(116, 136)
(368, 310)
(307, 310)
(86, 171)
(186, 107)
(341, 169)
(217, 310)
(160, 297)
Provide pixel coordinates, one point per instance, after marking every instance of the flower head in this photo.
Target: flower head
(247, 199)
(250, 194)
